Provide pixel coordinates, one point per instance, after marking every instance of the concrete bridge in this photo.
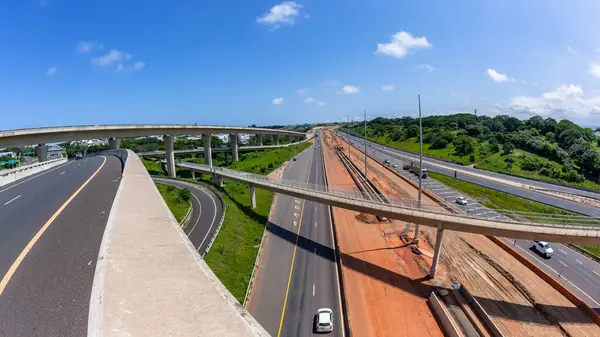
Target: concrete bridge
(518, 225)
(115, 133)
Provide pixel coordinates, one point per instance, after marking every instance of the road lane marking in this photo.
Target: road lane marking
(36, 176)
(554, 271)
(296, 215)
(295, 224)
(595, 272)
(287, 289)
(564, 265)
(579, 262)
(213, 220)
(63, 172)
(313, 289)
(562, 251)
(297, 208)
(13, 268)
(315, 224)
(13, 199)
(199, 215)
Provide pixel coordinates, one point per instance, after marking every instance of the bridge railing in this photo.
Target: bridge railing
(514, 217)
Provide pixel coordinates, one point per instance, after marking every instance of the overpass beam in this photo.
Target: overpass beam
(436, 254)
(253, 196)
(207, 149)
(259, 139)
(233, 138)
(114, 143)
(170, 155)
(41, 151)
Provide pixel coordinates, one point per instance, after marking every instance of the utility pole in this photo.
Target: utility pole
(366, 145)
(416, 238)
(348, 137)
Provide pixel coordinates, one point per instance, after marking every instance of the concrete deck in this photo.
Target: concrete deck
(149, 280)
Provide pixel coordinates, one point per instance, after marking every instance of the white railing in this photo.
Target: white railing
(504, 216)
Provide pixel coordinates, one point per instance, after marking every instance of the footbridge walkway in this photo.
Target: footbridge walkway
(519, 225)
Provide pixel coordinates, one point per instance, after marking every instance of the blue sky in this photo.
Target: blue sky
(65, 62)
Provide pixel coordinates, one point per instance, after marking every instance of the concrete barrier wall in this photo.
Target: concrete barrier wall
(443, 316)
(549, 279)
(150, 280)
(483, 316)
(10, 176)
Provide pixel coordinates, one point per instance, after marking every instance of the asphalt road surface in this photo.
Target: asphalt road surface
(51, 226)
(449, 169)
(206, 213)
(577, 272)
(298, 274)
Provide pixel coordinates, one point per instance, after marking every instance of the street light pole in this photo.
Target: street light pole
(416, 239)
(365, 140)
(348, 137)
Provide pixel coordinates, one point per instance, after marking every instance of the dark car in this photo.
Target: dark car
(78, 156)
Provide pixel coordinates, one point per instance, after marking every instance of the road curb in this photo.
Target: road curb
(549, 279)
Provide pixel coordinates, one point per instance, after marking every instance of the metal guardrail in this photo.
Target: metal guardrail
(513, 217)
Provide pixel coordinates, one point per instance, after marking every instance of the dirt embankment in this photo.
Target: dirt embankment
(520, 302)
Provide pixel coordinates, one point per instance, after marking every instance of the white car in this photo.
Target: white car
(543, 248)
(461, 200)
(324, 320)
(394, 165)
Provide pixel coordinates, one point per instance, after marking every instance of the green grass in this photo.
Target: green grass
(175, 199)
(498, 164)
(447, 153)
(497, 200)
(153, 167)
(234, 251)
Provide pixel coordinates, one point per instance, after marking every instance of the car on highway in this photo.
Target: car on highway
(461, 200)
(394, 165)
(387, 161)
(294, 159)
(324, 320)
(78, 156)
(543, 248)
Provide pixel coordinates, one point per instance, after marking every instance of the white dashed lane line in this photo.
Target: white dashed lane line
(13, 199)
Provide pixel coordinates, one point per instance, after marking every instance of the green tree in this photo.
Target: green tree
(412, 131)
(549, 125)
(463, 145)
(508, 148)
(535, 122)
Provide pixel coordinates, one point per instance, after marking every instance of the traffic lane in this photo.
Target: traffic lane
(270, 284)
(7, 192)
(206, 212)
(49, 293)
(578, 278)
(452, 167)
(314, 280)
(39, 199)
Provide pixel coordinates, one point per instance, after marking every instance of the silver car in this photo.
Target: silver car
(461, 200)
(324, 320)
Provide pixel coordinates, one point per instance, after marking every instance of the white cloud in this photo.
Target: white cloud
(321, 103)
(302, 91)
(427, 67)
(595, 69)
(309, 100)
(120, 67)
(278, 100)
(283, 14)
(349, 90)
(566, 101)
(139, 65)
(498, 77)
(402, 42)
(85, 47)
(113, 56)
(572, 51)
(388, 87)
(51, 72)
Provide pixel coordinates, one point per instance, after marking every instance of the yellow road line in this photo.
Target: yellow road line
(287, 290)
(13, 268)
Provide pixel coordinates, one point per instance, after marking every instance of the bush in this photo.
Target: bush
(184, 194)
(170, 188)
(573, 177)
(472, 158)
(439, 143)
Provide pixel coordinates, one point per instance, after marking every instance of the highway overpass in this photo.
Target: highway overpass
(114, 133)
(556, 228)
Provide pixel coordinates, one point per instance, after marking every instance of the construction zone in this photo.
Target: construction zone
(479, 288)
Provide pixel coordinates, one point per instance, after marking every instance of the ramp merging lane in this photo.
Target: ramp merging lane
(206, 213)
(48, 292)
(297, 271)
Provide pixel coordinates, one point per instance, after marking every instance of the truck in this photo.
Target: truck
(412, 168)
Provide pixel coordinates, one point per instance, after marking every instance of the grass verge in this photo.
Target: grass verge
(178, 199)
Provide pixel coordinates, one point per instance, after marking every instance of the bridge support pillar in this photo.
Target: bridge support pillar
(436, 254)
(193, 174)
(259, 140)
(218, 180)
(169, 155)
(233, 138)
(297, 139)
(287, 139)
(114, 143)
(41, 151)
(276, 139)
(253, 196)
(207, 149)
